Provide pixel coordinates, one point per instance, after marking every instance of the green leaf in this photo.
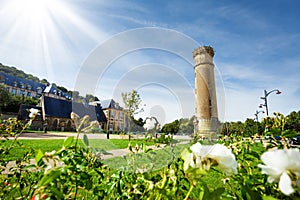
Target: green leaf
(85, 140)
(49, 177)
(68, 141)
(268, 198)
(29, 166)
(214, 195)
(195, 173)
(253, 194)
(289, 134)
(218, 192)
(39, 157)
(58, 193)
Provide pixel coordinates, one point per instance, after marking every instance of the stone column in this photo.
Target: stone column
(205, 91)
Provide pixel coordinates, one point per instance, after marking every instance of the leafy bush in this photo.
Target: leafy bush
(235, 168)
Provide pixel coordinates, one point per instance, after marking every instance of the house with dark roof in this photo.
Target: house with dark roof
(21, 87)
(52, 91)
(55, 105)
(56, 113)
(23, 115)
(115, 115)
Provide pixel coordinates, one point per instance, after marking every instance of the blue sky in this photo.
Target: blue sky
(256, 43)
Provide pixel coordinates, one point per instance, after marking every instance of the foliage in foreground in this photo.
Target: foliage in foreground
(229, 170)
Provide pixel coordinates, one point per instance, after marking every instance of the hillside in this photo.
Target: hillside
(16, 72)
(19, 73)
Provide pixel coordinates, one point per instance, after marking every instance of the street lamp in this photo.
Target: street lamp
(256, 114)
(265, 99)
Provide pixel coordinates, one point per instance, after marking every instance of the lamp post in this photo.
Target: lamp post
(256, 114)
(265, 99)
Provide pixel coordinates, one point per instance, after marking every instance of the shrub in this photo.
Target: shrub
(235, 168)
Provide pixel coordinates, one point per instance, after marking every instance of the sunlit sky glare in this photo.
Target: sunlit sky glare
(257, 46)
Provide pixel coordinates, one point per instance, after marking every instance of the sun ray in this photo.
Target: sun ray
(43, 33)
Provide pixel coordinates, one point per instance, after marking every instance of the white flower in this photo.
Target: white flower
(33, 113)
(190, 159)
(224, 158)
(205, 156)
(282, 166)
(74, 116)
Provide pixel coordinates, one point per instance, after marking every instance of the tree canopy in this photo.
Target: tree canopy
(11, 103)
(132, 102)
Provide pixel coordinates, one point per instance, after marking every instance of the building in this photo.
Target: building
(23, 115)
(205, 91)
(56, 113)
(27, 88)
(53, 92)
(21, 87)
(115, 115)
(55, 105)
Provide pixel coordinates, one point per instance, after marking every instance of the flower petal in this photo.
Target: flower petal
(188, 159)
(294, 160)
(274, 173)
(285, 184)
(224, 158)
(278, 160)
(196, 148)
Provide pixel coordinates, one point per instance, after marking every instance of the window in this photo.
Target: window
(120, 115)
(39, 90)
(110, 126)
(112, 114)
(120, 127)
(29, 94)
(13, 91)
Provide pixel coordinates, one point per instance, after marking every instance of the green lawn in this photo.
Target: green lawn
(153, 160)
(47, 145)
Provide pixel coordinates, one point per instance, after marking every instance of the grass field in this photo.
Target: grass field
(47, 145)
(151, 161)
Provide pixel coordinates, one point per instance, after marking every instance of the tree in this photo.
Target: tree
(91, 98)
(5, 97)
(132, 102)
(233, 128)
(10, 103)
(293, 121)
(171, 128)
(186, 125)
(252, 127)
(63, 89)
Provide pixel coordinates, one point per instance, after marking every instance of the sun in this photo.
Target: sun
(35, 12)
(32, 29)
(42, 34)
